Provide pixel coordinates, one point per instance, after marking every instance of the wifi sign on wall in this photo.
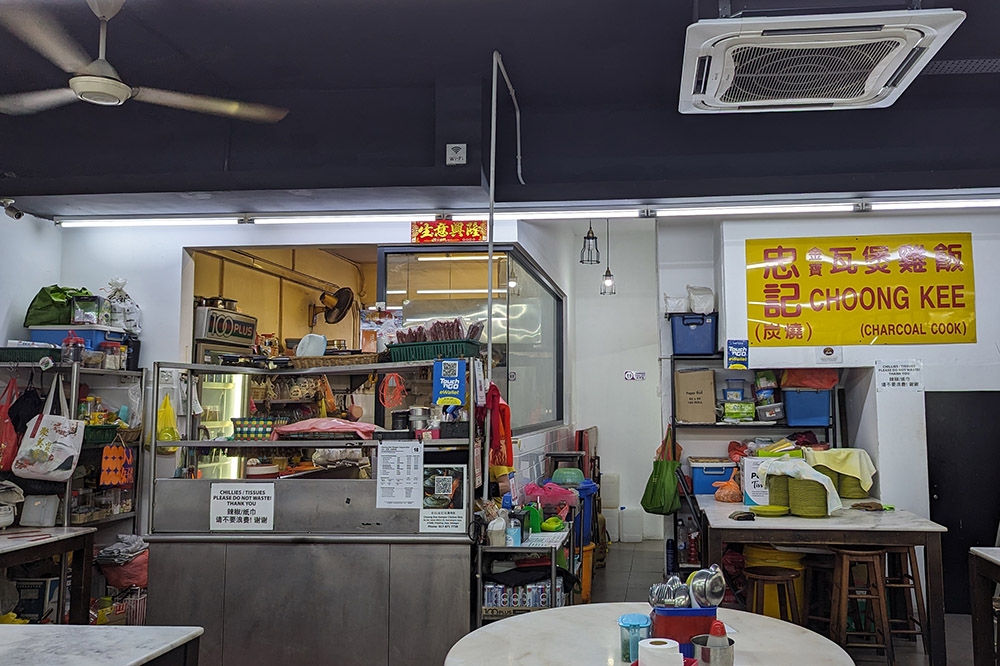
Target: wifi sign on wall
(455, 154)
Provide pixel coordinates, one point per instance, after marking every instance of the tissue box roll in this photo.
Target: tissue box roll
(659, 652)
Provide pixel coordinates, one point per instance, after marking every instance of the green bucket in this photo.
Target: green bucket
(777, 490)
(849, 487)
(834, 475)
(806, 498)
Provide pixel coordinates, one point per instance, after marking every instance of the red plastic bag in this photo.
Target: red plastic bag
(134, 573)
(8, 434)
(820, 379)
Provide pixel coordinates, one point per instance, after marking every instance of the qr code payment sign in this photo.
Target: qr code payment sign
(442, 485)
(449, 369)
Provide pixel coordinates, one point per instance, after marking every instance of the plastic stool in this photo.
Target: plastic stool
(784, 581)
(818, 588)
(846, 591)
(903, 575)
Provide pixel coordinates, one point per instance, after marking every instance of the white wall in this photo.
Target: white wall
(30, 261)
(615, 334)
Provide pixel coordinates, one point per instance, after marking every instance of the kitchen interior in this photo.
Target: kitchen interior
(334, 291)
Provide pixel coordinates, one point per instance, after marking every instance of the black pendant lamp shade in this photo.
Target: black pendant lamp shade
(608, 281)
(590, 254)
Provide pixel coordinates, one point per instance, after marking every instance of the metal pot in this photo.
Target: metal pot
(200, 301)
(229, 304)
(214, 302)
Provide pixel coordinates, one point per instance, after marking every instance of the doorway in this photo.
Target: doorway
(964, 481)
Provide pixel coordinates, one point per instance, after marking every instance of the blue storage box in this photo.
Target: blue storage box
(694, 334)
(806, 407)
(92, 335)
(706, 471)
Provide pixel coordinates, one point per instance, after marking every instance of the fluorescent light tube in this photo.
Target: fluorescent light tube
(325, 219)
(551, 215)
(148, 222)
(395, 292)
(460, 291)
(941, 204)
(465, 257)
(763, 209)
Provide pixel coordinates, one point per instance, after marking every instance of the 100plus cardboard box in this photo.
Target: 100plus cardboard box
(694, 395)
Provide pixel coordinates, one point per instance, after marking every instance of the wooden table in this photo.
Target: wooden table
(984, 576)
(843, 527)
(20, 545)
(54, 645)
(588, 635)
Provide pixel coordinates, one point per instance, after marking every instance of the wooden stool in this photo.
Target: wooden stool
(758, 578)
(903, 576)
(845, 591)
(818, 590)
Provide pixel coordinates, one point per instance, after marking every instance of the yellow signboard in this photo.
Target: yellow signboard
(861, 290)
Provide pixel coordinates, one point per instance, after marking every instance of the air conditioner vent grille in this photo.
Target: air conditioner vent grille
(764, 73)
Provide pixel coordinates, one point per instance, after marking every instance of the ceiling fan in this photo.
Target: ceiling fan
(96, 81)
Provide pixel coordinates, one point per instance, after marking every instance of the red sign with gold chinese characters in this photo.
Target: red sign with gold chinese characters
(446, 231)
(860, 290)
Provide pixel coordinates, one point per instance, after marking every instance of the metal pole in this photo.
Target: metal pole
(489, 274)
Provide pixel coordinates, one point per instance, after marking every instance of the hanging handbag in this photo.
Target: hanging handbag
(660, 496)
(8, 434)
(50, 449)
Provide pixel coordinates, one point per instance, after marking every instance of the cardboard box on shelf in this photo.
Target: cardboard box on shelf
(695, 395)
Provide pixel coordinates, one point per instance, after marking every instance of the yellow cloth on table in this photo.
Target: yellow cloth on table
(849, 462)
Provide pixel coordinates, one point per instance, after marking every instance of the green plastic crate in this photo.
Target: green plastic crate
(426, 351)
(96, 435)
(28, 354)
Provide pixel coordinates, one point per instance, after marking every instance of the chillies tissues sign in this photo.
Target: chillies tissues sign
(861, 290)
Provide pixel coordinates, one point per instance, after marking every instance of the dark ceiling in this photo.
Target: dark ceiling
(376, 88)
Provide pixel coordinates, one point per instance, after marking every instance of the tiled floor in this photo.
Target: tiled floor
(632, 567)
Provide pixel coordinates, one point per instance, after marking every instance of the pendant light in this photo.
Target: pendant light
(608, 281)
(513, 286)
(590, 254)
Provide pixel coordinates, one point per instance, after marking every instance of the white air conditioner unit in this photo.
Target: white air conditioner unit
(802, 63)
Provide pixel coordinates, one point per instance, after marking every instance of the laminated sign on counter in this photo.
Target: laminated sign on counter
(449, 382)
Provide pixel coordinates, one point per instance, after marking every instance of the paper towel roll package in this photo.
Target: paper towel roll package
(660, 652)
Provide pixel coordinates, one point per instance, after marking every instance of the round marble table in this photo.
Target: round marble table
(587, 635)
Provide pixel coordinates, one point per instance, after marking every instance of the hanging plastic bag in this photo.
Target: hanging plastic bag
(166, 422)
(8, 434)
(660, 496)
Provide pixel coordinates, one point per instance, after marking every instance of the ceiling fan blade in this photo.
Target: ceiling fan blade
(41, 32)
(20, 104)
(260, 113)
